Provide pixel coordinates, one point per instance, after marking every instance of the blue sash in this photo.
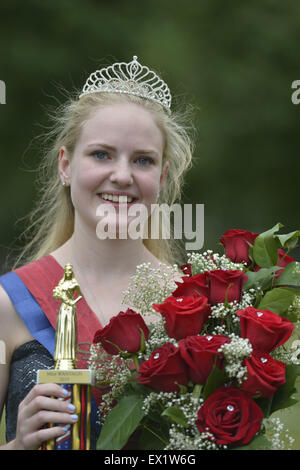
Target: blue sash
(35, 320)
(29, 310)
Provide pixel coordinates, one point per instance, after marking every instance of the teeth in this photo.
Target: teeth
(114, 198)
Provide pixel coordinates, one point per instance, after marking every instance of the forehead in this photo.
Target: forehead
(123, 121)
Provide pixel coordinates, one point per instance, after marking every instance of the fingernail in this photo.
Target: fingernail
(71, 407)
(66, 392)
(74, 417)
(66, 428)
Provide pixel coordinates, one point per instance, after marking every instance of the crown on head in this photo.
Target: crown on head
(131, 78)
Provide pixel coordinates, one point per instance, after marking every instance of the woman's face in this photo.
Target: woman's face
(117, 159)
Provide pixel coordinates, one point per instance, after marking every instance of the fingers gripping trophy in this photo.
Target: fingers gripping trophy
(77, 381)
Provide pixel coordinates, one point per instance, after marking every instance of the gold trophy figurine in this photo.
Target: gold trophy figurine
(65, 372)
(65, 356)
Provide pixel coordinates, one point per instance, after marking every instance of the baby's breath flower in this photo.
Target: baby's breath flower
(288, 354)
(209, 261)
(150, 286)
(179, 440)
(113, 371)
(234, 353)
(157, 338)
(278, 434)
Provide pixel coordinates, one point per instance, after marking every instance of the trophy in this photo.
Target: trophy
(77, 381)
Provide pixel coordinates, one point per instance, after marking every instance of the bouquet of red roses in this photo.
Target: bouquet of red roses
(216, 363)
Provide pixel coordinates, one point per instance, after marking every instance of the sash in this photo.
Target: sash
(29, 310)
(30, 290)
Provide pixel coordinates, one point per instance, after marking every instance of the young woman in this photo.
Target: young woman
(116, 146)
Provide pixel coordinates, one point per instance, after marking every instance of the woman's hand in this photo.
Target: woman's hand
(38, 409)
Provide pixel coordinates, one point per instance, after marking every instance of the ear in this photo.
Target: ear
(163, 175)
(64, 165)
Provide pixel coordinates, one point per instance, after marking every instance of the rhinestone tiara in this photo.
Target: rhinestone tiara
(131, 78)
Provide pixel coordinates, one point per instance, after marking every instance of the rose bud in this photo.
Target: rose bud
(199, 354)
(190, 285)
(264, 329)
(264, 375)
(186, 269)
(125, 332)
(164, 370)
(236, 243)
(185, 316)
(231, 415)
(225, 285)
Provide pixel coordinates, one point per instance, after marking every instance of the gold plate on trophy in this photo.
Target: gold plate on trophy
(76, 376)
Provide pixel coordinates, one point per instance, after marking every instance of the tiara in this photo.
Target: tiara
(131, 78)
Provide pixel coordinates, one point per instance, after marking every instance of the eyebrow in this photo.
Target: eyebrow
(110, 147)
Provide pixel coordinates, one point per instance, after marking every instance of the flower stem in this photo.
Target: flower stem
(136, 362)
(156, 435)
(197, 390)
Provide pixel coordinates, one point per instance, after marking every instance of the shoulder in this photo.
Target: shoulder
(13, 331)
(8, 319)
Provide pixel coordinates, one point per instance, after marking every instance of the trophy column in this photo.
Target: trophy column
(77, 381)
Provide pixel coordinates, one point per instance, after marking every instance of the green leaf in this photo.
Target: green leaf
(265, 404)
(263, 277)
(289, 240)
(265, 249)
(283, 396)
(216, 379)
(259, 442)
(277, 300)
(176, 415)
(290, 276)
(149, 441)
(123, 419)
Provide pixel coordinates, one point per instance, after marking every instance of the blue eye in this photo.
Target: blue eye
(100, 155)
(144, 161)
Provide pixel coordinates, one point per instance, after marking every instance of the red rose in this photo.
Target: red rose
(124, 331)
(236, 243)
(199, 353)
(164, 370)
(184, 316)
(225, 285)
(264, 375)
(231, 416)
(190, 285)
(265, 329)
(186, 269)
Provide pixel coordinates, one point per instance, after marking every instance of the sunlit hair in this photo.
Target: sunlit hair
(51, 223)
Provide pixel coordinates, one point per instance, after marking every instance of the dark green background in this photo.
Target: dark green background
(234, 60)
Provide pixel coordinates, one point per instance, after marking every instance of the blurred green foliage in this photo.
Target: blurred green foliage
(234, 60)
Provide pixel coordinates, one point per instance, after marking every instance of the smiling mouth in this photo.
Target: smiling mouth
(118, 199)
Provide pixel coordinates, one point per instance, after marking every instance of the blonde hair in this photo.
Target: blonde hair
(51, 223)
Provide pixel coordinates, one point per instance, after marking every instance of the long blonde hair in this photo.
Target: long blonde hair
(51, 223)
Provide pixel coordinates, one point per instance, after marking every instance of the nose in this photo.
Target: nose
(121, 173)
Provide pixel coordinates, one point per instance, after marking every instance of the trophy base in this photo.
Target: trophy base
(78, 382)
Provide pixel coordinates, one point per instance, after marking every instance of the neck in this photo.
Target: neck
(110, 259)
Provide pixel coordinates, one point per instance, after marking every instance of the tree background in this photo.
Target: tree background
(234, 60)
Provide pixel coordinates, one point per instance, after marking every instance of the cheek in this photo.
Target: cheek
(150, 185)
(84, 176)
